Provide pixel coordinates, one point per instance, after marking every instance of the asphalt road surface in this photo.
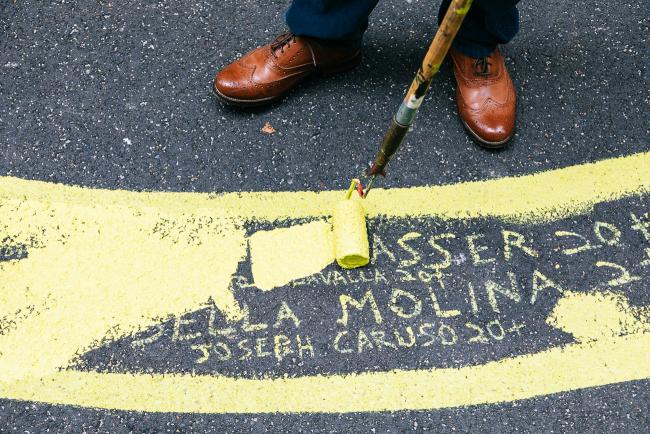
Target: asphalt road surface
(140, 311)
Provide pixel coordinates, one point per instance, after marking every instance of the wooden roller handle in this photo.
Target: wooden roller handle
(417, 91)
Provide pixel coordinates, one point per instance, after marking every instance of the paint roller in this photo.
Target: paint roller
(351, 246)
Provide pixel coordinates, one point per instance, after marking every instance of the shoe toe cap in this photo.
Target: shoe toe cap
(491, 130)
(233, 80)
(493, 125)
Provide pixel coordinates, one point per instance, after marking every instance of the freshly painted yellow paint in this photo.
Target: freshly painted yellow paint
(538, 197)
(590, 317)
(616, 358)
(103, 272)
(281, 255)
(102, 264)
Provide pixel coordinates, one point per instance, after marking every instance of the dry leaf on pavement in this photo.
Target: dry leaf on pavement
(268, 129)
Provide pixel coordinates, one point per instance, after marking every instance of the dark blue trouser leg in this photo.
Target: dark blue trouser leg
(488, 23)
(330, 19)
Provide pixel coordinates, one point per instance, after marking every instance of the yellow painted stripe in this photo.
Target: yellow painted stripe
(538, 197)
(120, 261)
(557, 370)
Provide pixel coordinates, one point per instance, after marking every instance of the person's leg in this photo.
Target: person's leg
(343, 20)
(488, 24)
(485, 93)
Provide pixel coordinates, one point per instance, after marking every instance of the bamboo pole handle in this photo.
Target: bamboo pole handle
(417, 91)
(437, 51)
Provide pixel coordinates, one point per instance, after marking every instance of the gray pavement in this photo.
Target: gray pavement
(118, 96)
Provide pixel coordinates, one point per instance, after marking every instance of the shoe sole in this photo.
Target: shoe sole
(486, 143)
(244, 103)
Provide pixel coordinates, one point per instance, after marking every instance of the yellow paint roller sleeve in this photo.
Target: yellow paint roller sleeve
(350, 235)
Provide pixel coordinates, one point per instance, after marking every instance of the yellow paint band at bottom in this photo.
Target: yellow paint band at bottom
(534, 198)
(575, 366)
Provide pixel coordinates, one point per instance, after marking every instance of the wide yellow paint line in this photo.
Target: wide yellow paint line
(576, 366)
(98, 273)
(538, 197)
(108, 263)
(613, 357)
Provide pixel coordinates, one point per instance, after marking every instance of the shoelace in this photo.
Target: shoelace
(482, 66)
(282, 41)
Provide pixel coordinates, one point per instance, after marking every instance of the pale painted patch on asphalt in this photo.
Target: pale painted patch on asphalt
(281, 255)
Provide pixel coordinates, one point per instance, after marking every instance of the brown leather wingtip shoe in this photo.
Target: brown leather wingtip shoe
(486, 98)
(267, 73)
